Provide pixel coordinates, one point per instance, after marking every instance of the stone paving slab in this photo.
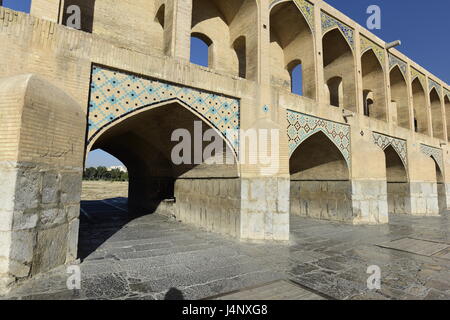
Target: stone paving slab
(151, 257)
(417, 246)
(278, 290)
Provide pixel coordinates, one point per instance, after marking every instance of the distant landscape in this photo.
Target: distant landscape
(105, 174)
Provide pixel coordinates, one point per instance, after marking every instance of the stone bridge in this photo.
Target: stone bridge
(367, 136)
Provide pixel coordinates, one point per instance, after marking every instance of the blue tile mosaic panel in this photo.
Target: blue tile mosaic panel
(435, 153)
(416, 74)
(399, 145)
(394, 61)
(367, 44)
(329, 23)
(433, 84)
(115, 94)
(302, 126)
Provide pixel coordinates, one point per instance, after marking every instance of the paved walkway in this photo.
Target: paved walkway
(151, 257)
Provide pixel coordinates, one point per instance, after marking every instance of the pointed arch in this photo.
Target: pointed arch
(320, 180)
(420, 107)
(436, 114)
(399, 96)
(397, 181)
(291, 39)
(338, 60)
(374, 82)
(447, 114)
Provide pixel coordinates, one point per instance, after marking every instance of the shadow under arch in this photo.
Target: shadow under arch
(200, 193)
(397, 182)
(320, 180)
(442, 197)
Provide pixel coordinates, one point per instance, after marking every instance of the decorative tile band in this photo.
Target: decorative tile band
(115, 94)
(302, 126)
(433, 84)
(367, 44)
(416, 74)
(329, 23)
(435, 153)
(305, 7)
(399, 145)
(393, 61)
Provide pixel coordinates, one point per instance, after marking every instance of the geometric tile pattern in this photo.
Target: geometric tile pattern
(399, 145)
(416, 74)
(435, 153)
(115, 94)
(302, 126)
(393, 60)
(433, 84)
(306, 8)
(367, 44)
(329, 23)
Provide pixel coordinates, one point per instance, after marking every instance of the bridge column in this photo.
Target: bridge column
(368, 178)
(41, 163)
(423, 193)
(177, 35)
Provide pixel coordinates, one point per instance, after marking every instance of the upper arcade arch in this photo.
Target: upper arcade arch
(420, 107)
(338, 61)
(226, 24)
(436, 114)
(399, 98)
(374, 82)
(291, 43)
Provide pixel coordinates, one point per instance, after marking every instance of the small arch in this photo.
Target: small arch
(420, 106)
(338, 61)
(335, 91)
(240, 49)
(160, 16)
(397, 182)
(436, 114)
(291, 41)
(374, 82)
(320, 180)
(296, 72)
(201, 50)
(399, 95)
(368, 102)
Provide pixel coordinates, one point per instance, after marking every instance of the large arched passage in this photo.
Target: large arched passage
(436, 115)
(397, 182)
(420, 107)
(338, 62)
(399, 98)
(291, 45)
(204, 190)
(442, 197)
(320, 181)
(231, 28)
(373, 82)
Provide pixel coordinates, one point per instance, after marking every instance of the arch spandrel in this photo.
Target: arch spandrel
(302, 126)
(435, 153)
(305, 7)
(394, 61)
(399, 145)
(115, 94)
(329, 23)
(367, 45)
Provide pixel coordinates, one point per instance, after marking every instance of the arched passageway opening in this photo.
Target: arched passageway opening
(338, 62)
(397, 182)
(291, 44)
(320, 181)
(399, 98)
(436, 115)
(442, 197)
(373, 82)
(420, 107)
(296, 73)
(177, 166)
(231, 28)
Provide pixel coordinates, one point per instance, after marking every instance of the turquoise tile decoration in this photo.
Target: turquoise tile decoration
(394, 61)
(435, 153)
(115, 94)
(302, 126)
(399, 145)
(329, 23)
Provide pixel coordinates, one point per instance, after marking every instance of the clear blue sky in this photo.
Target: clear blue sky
(422, 26)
